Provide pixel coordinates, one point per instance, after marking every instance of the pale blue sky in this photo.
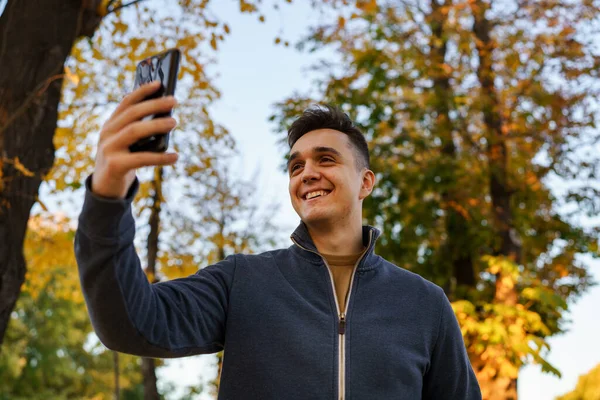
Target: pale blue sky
(253, 75)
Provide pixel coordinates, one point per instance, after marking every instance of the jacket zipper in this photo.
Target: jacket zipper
(341, 319)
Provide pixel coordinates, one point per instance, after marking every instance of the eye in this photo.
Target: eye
(327, 159)
(295, 167)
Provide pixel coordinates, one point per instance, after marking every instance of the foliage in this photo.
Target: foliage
(409, 74)
(50, 350)
(588, 387)
(504, 336)
(101, 70)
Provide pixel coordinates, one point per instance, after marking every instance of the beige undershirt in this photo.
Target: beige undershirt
(341, 269)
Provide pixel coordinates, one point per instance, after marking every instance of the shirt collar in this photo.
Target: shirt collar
(302, 239)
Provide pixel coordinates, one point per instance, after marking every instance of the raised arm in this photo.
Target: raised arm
(171, 319)
(168, 319)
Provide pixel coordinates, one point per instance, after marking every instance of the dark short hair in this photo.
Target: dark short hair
(329, 117)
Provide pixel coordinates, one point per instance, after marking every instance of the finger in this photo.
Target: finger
(139, 130)
(138, 111)
(140, 159)
(136, 96)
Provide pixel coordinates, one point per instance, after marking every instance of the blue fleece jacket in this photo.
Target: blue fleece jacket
(276, 316)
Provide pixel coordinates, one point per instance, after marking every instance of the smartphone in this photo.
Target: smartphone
(161, 67)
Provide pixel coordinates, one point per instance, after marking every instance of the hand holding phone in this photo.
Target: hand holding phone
(161, 67)
(124, 143)
(115, 164)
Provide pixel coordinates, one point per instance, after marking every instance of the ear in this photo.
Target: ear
(368, 182)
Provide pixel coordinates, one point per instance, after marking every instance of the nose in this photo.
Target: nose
(310, 173)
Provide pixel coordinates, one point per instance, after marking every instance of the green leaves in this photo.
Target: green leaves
(49, 350)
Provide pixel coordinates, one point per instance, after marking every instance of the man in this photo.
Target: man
(325, 318)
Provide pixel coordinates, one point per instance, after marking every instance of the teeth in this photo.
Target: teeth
(312, 195)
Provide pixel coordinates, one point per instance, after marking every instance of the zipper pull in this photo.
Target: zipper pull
(342, 324)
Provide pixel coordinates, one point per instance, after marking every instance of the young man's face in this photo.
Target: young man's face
(325, 183)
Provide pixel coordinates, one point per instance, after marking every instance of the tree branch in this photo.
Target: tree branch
(83, 104)
(122, 6)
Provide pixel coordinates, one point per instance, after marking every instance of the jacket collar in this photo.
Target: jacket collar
(304, 242)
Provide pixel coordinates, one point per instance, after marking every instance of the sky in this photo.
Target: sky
(253, 75)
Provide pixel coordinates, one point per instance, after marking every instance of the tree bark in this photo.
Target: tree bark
(148, 364)
(35, 39)
(499, 388)
(149, 374)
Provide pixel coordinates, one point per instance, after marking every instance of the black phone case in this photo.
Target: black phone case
(163, 67)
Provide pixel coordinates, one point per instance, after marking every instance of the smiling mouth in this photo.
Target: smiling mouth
(316, 194)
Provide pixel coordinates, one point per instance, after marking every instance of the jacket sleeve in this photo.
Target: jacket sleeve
(450, 375)
(177, 318)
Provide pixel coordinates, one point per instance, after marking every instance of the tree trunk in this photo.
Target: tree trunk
(149, 374)
(499, 388)
(148, 364)
(35, 39)
(455, 252)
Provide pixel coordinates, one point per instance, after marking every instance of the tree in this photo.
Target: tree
(36, 38)
(588, 387)
(148, 364)
(470, 110)
(50, 350)
(41, 42)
